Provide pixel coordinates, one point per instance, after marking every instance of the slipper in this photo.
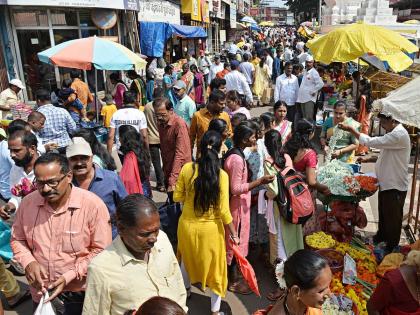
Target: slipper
(161, 188)
(19, 299)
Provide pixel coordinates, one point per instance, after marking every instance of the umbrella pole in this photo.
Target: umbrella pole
(358, 81)
(96, 96)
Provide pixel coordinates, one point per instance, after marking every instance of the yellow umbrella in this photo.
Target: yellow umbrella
(355, 40)
(412, 22)
(267, 23)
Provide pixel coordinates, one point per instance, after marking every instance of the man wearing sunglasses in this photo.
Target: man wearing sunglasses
(57, 231)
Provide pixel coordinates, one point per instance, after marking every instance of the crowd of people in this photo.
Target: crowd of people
(89, 233)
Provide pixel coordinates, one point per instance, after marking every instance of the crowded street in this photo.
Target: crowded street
(193, 157)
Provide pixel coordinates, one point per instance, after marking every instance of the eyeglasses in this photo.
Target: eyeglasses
(52, 183)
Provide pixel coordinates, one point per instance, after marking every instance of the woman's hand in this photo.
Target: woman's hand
(336, 154)
(235, 239)
(267, 179)
(345, 127)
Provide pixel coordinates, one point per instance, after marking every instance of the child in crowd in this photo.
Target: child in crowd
(108, 109)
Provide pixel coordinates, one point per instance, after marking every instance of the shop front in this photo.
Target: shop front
(36, 28)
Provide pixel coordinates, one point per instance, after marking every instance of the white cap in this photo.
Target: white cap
(78, 146)
(309, 58)
(18, 83)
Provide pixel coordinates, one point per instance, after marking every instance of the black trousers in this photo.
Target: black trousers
(390, 208)
(291, 113)
(155, 156)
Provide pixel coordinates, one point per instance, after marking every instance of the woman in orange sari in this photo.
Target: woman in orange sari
(364, 107)
(398, 293)
(306, 279)
(188, 78)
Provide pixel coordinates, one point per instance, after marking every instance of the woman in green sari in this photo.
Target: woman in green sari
(345, 143)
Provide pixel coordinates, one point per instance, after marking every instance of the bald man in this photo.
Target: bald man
(141, 249)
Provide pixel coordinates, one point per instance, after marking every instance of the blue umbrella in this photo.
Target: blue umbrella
(248, 19)
(255, 27)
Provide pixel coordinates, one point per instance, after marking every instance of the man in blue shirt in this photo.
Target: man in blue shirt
(6, 164)
(105, 184)
(185, 107)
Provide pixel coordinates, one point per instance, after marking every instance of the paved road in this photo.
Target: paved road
(199, 303)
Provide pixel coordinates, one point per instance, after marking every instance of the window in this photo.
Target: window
(30, 17)
(63, 18)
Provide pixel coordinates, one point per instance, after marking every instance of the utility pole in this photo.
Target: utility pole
(319, 12)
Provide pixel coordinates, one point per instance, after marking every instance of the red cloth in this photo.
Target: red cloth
(130, 174)
(392, 296)
(310, 159)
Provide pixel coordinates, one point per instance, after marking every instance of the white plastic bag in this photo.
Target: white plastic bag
(44, 308)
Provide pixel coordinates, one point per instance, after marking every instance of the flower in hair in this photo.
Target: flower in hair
(210, 147)
(280, 275)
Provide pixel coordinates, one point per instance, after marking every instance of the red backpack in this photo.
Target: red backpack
(294, 198)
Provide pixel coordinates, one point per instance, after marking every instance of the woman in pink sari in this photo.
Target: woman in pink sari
(198, 86)
(398, 293)
(119, 89)
(240, 200)
(282, 125)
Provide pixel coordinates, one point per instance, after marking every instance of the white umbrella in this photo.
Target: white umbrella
(248, 19)
(402, 104)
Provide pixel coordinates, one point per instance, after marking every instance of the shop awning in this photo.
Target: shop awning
(153, 35)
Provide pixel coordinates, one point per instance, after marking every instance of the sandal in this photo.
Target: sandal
(19, 298)
(161, 189)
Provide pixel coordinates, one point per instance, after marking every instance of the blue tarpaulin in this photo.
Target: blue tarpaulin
(153, 36)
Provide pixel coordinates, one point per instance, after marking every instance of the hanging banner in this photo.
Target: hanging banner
(233, 14)
(159, 11)
(108, 4)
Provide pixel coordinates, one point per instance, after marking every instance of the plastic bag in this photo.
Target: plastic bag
(44, 308)
(350, 270)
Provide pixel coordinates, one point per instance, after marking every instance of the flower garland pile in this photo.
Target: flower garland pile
(366, 280)
(338, 177)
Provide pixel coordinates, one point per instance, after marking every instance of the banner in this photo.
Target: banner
(159, 11)
(233, 14)
(107, 4)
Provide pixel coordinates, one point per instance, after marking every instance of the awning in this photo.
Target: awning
(153, 35)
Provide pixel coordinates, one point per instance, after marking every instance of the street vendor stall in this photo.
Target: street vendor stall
(384, 82)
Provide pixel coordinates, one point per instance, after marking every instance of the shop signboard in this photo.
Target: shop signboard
(108, 4)
(159, 11)
(233, 14)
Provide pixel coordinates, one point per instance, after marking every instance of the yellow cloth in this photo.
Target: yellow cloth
(8, 284)
(118, 282)
(201, 239)
(355, 40)
(262, 80)
(255, 61)
(200, 124)
(107, 111)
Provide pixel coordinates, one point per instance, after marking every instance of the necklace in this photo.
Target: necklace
(286, 308)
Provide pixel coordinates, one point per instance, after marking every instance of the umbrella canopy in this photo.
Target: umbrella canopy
(248, 19)
(255, 27)
(84, 53)
(353, 41)
(246, 269)
(267, 23)
(402, 104)
(412, 22)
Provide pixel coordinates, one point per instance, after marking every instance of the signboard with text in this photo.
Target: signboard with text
(233, 14)
(159, 11)
(108, 4)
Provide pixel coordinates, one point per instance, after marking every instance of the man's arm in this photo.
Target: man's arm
(193, 130)
(277, 90)
(145, 136)
(101, 236)
(3, 102)
(70, 124)
(319, 84)
(247, 90)
(98, 296)
(110, 141)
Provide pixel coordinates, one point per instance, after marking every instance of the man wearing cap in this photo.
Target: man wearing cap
(236, 81)
(10, 97)
(58, 229)
(107, 185)
(392, 172)
(308, 90)
(185, 107)
(216, 67)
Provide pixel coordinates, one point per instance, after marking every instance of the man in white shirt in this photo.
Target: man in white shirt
(308, 90)
(392, 172)
(269, 62)
(204, 64)
(23, 151)
(236, 81)
(10, 97)
(288, 54)
(247, 69)
(286, 90)
(216, 67)
(128, 115)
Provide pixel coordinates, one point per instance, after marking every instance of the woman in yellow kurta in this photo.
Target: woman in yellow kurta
(203, 188)
(262, 78)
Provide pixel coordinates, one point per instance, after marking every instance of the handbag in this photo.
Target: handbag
(169, 214)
